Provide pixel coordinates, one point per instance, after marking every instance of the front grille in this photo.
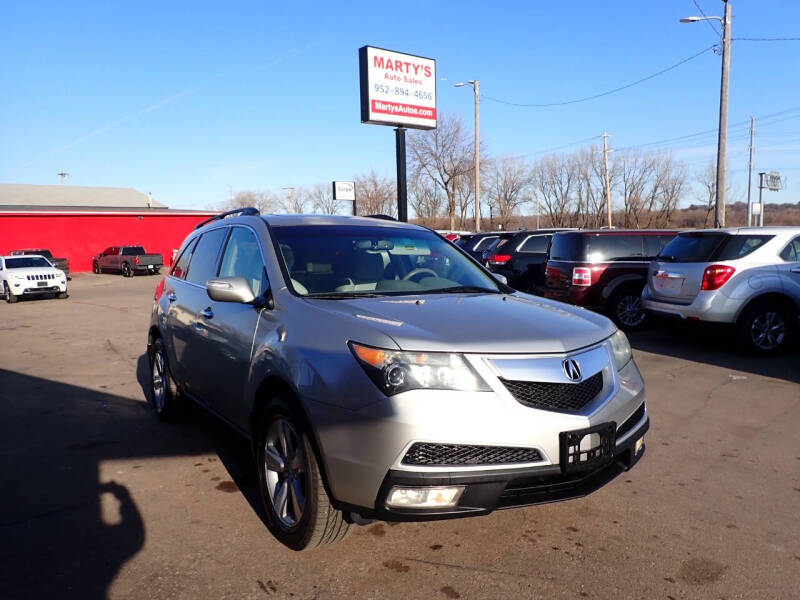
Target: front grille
(631, 421)
(560, 397)
(41, 277)
(435, 455)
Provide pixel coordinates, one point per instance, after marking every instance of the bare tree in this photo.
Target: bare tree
(426, 200)
(443, 155)
(509, 188)
(294, 200)
(321, 198)
(553, 178)
(263, 200)
(375, 195)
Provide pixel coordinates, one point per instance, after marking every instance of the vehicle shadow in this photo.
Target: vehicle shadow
(66, 526)
(716, 347)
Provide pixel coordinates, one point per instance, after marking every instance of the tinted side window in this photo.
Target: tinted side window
(132, 250)
(484, 242)
(243, 258)
(653, 244)
(792, 252)
(179, 270)
(601, 248)
(204, 263)
(536, 243)
(565, 247)
(739, 246)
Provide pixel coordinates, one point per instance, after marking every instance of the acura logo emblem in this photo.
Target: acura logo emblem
(572, 369)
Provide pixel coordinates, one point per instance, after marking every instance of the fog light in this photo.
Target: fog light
(638, 446)
(424, 497)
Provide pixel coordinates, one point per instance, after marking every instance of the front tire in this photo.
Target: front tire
(627, 310)
(765, 328)
(9, 295)
(164, 393)
(96, 268)
(298, 510)
(62, 295)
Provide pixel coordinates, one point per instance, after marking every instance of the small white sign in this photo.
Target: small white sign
(344, 190)
(756, 208)
(397, 89)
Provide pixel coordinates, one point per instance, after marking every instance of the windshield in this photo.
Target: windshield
(349, 261)
(27, 262)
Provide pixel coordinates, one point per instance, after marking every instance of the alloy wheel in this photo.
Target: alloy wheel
(158, 381)
(285, 469)
(629, 311)
(768, 331)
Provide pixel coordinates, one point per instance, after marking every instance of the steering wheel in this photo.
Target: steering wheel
(419, 271)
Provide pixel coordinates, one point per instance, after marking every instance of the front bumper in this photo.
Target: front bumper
(712, 306)
(360, 449)
(487, 491)
(25, 289)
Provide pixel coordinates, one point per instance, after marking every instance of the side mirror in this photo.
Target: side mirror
(230, 289)
(501, 278)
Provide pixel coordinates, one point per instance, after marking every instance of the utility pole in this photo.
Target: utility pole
(63, 176)
(750, 174)
(722, 139)
(476, 87)
(289, 191)
(607, 178)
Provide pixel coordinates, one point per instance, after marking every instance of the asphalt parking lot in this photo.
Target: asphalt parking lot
(102, 500)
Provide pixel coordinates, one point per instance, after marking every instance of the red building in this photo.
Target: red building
(79, 222)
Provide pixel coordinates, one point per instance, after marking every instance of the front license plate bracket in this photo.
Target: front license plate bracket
(588, 448)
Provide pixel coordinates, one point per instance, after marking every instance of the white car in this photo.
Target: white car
(30, 276)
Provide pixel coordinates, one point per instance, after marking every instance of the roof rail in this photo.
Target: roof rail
(384, 217)
(247, 211)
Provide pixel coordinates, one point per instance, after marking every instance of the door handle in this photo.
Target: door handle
(171, 296)
(207, 312)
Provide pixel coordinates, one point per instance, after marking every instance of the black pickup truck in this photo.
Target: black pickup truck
(127, 260)
(521, 257)
(60, 263)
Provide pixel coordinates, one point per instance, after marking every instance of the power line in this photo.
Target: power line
(776, 39)
(606, 93)
(589, 139)
(705, 16)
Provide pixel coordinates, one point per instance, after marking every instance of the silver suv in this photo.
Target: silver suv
(381, 373)
(747, 277)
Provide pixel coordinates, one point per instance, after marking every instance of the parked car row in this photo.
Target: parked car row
(744, 278)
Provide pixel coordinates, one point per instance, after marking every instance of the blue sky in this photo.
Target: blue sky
(189, 99)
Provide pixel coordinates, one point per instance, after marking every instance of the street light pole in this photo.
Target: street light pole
(476, 89)
(722, 138)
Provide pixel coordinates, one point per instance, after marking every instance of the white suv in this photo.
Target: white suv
(747, 277)
(30, 276)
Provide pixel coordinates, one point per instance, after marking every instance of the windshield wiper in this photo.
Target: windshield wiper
(667, 258)
(463, 289)
(344, 295)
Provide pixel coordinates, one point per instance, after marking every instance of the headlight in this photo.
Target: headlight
(394, 371)
(621, 349)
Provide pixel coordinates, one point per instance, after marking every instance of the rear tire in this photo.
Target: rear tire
(627, 310)
(298, 510)
(126, 270)
(9, 295)
(765, 328)
(164, 394)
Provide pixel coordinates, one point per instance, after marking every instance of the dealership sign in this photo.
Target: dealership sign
(397, 89)
(344, 190)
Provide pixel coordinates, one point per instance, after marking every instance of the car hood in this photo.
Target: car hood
(34, 271)
(476, 323)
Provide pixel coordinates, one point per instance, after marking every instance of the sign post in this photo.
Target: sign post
(345, 191)
(398, 90)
